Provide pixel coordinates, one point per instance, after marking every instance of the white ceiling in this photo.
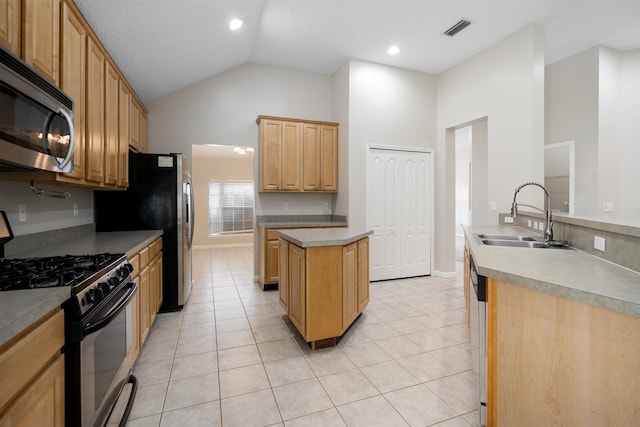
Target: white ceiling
(163, 45)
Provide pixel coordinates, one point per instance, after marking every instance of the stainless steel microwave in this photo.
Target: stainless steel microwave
(36, 120)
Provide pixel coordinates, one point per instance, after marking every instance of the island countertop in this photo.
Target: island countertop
(313, 237)
(568, 273)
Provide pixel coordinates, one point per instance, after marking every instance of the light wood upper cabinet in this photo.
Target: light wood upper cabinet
(41, 39)
(72, 77)
(123, 134)
(143, 131)
(134, 124)
(11, 25)
(111, 125)
(95, 112)
(297, 155)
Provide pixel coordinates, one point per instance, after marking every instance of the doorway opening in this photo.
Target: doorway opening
(471, 178)
(223, 183)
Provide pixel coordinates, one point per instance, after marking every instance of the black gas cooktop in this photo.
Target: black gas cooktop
(46, 272)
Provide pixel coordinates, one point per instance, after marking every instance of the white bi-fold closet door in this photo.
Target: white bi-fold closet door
(399, 210)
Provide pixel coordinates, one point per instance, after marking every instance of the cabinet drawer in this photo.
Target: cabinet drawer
(135, 263)
(144, 257)
(272, 234)
(22, 360)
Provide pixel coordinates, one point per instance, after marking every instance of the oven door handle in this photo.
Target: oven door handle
(94, 326)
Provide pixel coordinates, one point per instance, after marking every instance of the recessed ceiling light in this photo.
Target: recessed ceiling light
(235, 24)
(393, 50)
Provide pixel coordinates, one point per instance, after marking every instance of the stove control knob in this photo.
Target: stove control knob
(113, 282)
(94, 295)
(104, 287)
(126, 269)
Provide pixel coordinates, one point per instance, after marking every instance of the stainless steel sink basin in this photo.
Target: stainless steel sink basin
(506, 237)
(515, 243)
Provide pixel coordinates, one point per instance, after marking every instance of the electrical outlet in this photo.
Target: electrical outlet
(529, 223)
(285, 206)
(535, 225)
(75, 209)
(326, 206)
(492, 206)
(508, 220)
(607, 207)
(598, 243)
(22, 212)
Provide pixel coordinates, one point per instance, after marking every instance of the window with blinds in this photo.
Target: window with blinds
(230, 207)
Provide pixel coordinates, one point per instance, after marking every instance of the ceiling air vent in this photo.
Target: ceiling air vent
(457, 27)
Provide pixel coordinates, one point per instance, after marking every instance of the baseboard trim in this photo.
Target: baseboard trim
(225, 246)
(445, 274)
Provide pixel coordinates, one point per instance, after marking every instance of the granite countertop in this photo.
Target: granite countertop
(313, 237)
(567, 273)
(20, 309)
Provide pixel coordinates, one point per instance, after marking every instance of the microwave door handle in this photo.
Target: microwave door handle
(45, 137)
(72, 141)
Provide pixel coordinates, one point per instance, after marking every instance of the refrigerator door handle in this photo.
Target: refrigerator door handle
(190, 212)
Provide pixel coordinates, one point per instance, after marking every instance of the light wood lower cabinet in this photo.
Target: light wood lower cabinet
(147, 273)
(325, 288)
(554, 361)
(32, 376)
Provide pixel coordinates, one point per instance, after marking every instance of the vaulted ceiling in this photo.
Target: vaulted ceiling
(163, 45)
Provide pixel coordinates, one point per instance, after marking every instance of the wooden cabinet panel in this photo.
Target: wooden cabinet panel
(159, 283)
(363, 273)
(123, 134)
(270, 154)
(42, 403)
(41, 41)
(273, 249)
(95, 112)
(311, 149)
(283, 286)
(73, 78)
(134, 124)
(143, 131)
(329, 158)
(349, 284)
(135, 326)
(111, 125)
(297, 287)
(144, 303)
(291, 156)
(11, 25)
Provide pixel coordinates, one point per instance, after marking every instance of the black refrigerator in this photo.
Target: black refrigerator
(159, 197)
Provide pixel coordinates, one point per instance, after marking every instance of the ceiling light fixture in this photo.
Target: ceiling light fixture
(457, 27)
(393, 50)
(235, 24)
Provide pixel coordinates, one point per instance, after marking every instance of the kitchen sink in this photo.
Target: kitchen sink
(506, 237)
(515, 241)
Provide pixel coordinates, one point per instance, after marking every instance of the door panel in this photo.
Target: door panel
(399, 213)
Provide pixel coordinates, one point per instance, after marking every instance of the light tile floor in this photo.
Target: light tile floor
(232, 358)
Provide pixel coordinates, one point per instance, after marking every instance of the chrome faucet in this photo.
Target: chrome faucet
(548, 233)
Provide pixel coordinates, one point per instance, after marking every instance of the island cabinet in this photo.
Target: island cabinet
(557, 361)
(32, 375)
(297, 155)
(324, 288)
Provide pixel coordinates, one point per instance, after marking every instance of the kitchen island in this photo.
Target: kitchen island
(324, 280)
(563, 335)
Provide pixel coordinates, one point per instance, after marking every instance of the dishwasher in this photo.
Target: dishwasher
(479, 335)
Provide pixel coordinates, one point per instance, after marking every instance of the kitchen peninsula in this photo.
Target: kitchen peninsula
(324, 280)
(563, 335)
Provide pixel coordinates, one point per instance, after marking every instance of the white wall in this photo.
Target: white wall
(222, 110)
(387, 106)
(504, 83)
(593, 97)
(44, 214)
(571, 113)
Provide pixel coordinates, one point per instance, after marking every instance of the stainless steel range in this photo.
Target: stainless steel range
(98, 325)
